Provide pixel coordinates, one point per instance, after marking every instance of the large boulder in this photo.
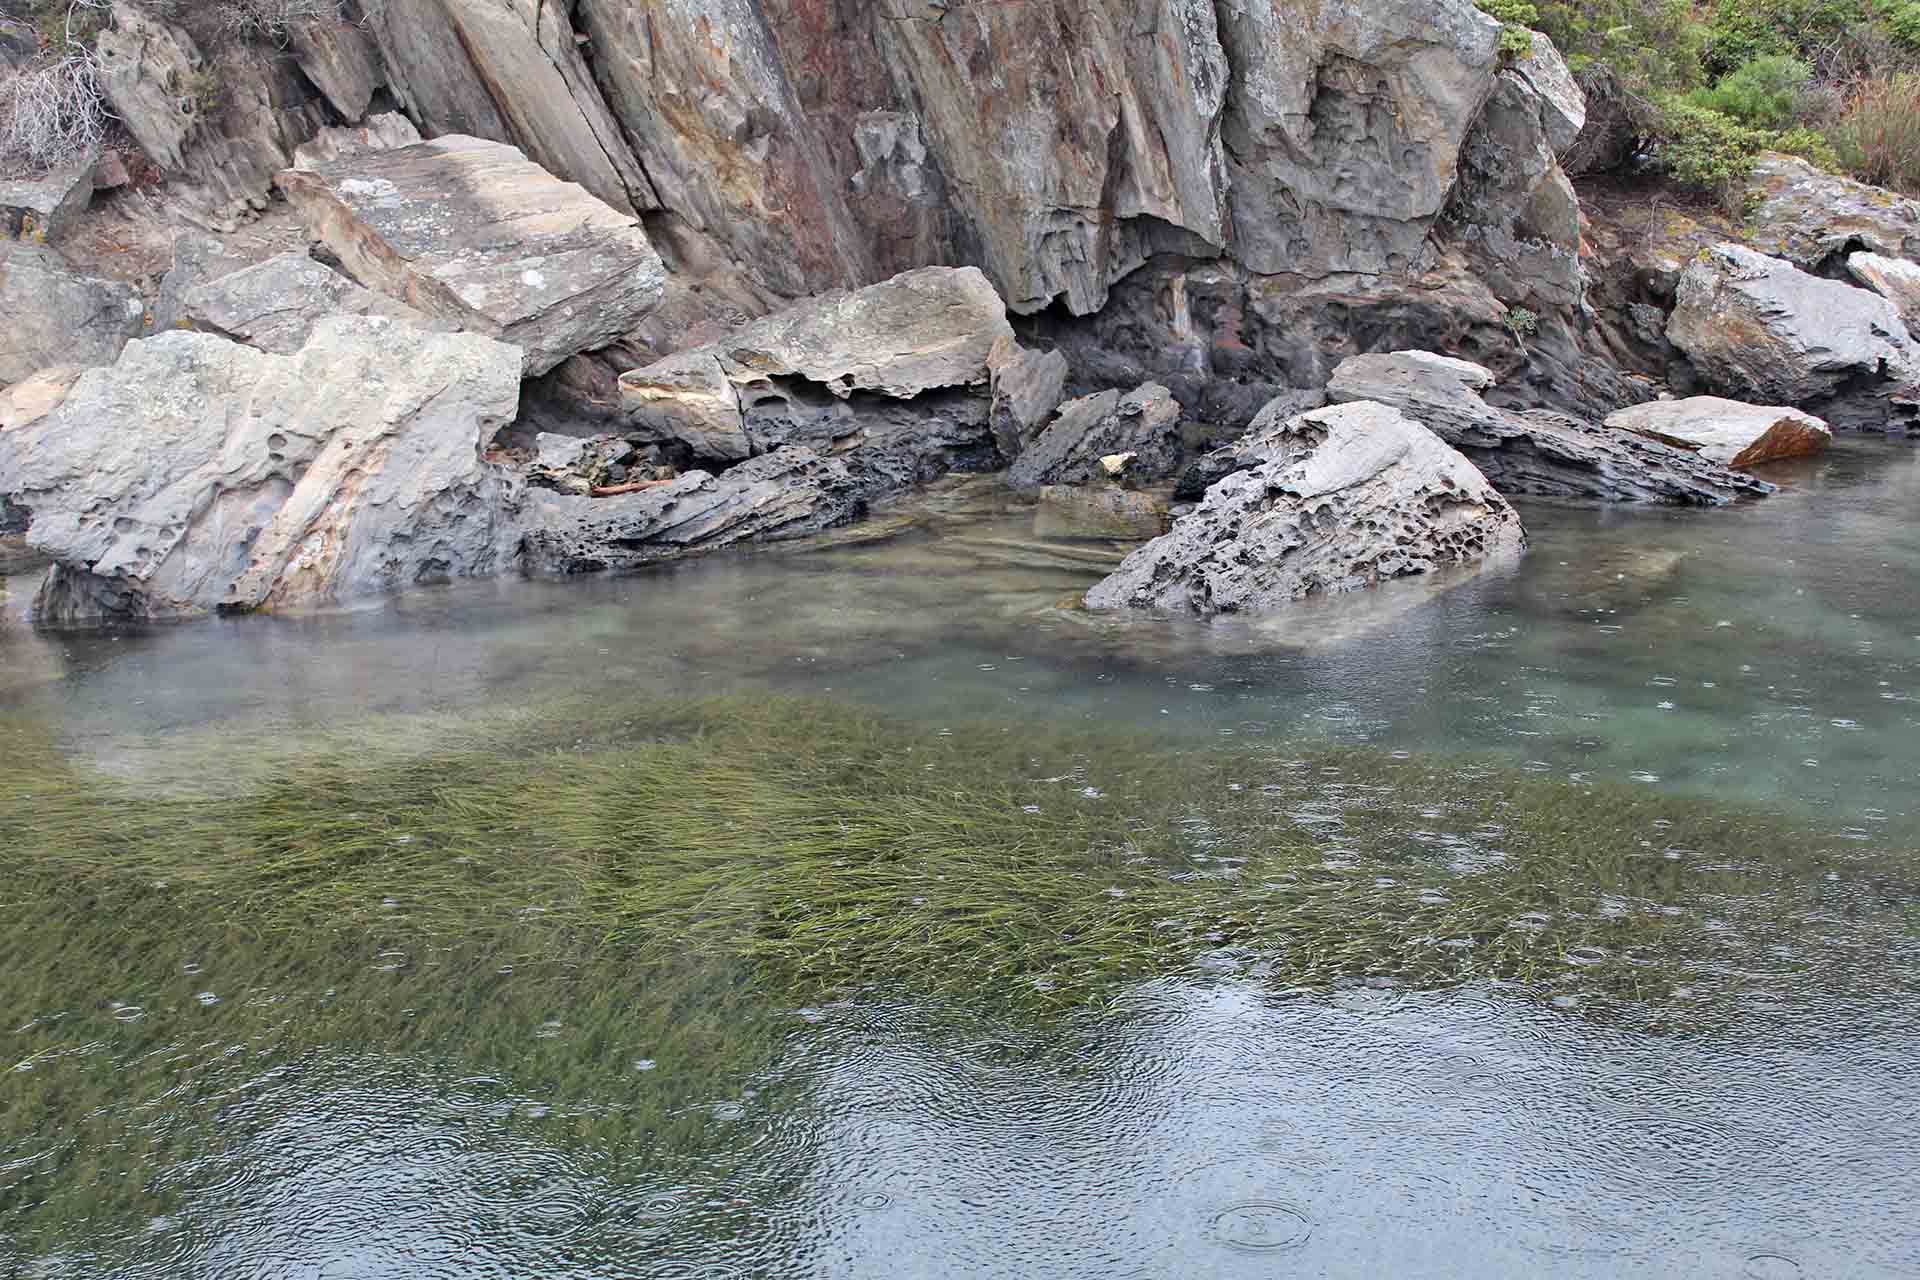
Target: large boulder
(1895, 279)
(836, 371)
(1814, 219)
(1145, 423)
(786, 494)
(54, 315)
(1758, 328)
(1342, 499)
(198, 474)
(1727, 431)
(1538, 453)
(275, 305)
(474, 232)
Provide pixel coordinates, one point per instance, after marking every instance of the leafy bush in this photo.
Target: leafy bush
(1810, 145)
(1878, 137)
(1654, 46)
(1706, 150)
(1764, 94)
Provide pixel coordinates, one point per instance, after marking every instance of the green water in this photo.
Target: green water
(867, 910)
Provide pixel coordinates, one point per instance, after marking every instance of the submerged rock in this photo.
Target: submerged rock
(198, 474)
(50, 314)
(274, 305)
(1341, 499)
(786, 494)
(474, 232)
(1145, 423)
(1537, 453)
(1726, 431)
(1757, 327)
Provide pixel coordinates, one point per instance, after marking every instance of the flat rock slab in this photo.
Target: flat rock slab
(198, 474)
(1727, 431)
(474, 232)
(1759, 328)
(1342, 499)
(1539, 453)
(275, 304)
(50, 314)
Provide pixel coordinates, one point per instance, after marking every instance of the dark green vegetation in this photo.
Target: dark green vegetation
(1710, 84)
(670, 879)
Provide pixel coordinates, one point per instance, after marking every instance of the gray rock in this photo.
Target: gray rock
(1814, 219)
(1895, 279)
(1757, 328)
(54, 315)
(1726, 431)
(388, 131)
(1027, 387)
(1343, 499)
(197, 259)
(1563, 102)
(885, 375)
(786, 494)
(32, 398)
(1144, 422)
(198, 474)
(472, 231)
(274, 305)
(43, 209)
(341, 59)
(1537, 453)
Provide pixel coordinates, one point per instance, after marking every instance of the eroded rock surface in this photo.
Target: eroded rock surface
(786, 494)
(1756, 327)
(1815, 219)
(50, 314)
(474, 232)
(1145, 423)
(1538, 453)
(1727, 431)
(1342, 499)
(198, 474)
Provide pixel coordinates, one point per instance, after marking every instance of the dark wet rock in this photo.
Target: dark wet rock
(474, 232)
(1145, 423)
(1027, 387)
(1815, 219)
(1726, 431)
(1538, 453)
(50, 314)
(274, 305)
(1758, 328)
(786, 494)
(887, 445)
(1342, 499)
(199, 474)
(44, 208)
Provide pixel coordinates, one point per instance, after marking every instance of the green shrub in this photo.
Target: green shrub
(1878, 137)
(1520, 12)
(1654, 46)
(1903, 25)
(1761, 95)
(1705, 150)
(1810, 145)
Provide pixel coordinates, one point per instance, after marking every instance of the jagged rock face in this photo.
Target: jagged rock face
(275, 305)
(1539, 453)
(261, 481)
(1815, 219)
(1341, 499)
(43, 209)
(1027, 387)
(1727, 431)
(1757, 327)
(471, 231)
(921, 331)
(53, 315)
(1895, 279)
(786, 494)
(1145, 423)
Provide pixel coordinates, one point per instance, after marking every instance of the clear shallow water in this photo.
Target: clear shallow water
(399, 1106)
